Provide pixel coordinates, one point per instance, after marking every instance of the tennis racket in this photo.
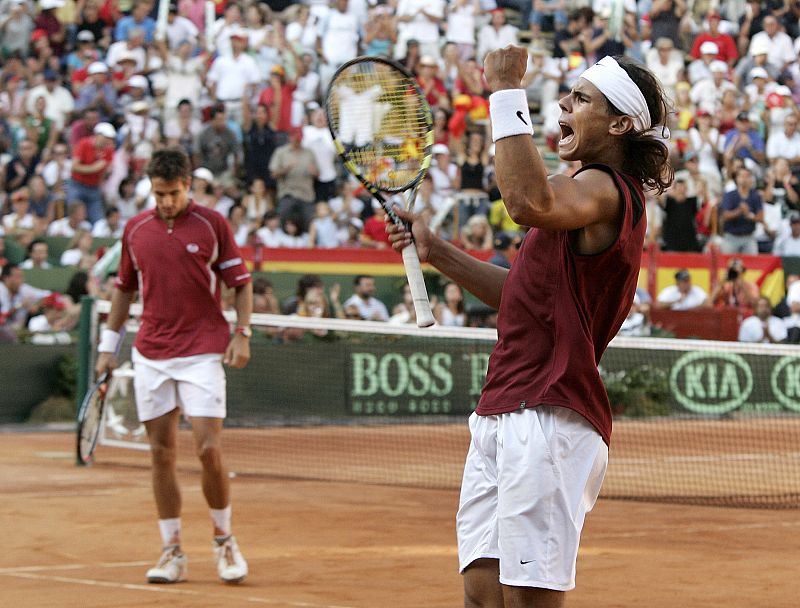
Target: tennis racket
(90, 415)
(383, 131)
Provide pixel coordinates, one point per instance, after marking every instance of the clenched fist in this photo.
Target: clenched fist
(504, 68)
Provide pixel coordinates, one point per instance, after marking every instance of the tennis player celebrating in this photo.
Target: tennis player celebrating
(175, 256)
(541, 431)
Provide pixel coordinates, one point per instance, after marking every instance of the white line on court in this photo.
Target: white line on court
(671, 529)
(72, 567)
(165, 589)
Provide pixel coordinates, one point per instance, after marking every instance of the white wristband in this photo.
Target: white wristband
(109, 340)
(510, 114)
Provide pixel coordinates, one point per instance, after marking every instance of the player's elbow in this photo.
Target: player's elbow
(525, 208)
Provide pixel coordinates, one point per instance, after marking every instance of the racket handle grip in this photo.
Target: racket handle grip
(416, 282)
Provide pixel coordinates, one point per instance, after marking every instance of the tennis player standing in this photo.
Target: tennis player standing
(175, 256)
(541, 431)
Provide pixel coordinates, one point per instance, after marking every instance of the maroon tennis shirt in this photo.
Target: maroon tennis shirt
(178, 273)
(558, 312)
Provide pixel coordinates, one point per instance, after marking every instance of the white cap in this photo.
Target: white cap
(354, 221)
(158, 81)
(709, 48)
(47, 4)
(783, 90)
(238, 32)
(440, 149)
(204, 174)
(85, 36)
(718, 66)
(139, 106)
(758, 72)
(126, 56)
(138, 81)
(98, 67)
(106, 129)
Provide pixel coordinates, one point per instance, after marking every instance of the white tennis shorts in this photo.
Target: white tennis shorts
(195, 384)
(529, 480)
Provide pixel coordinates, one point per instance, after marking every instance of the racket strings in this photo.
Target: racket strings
(382, 124)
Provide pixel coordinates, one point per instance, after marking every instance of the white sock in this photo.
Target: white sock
(222, 519)
(170, 531)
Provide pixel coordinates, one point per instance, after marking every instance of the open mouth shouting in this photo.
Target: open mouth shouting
(567, 134)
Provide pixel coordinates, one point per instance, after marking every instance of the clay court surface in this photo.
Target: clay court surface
(84, 537)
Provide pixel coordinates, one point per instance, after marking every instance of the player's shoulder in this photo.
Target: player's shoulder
(138, 220)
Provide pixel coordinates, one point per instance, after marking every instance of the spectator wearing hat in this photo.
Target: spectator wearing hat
(90, 19)
(704, 144)
(755, 58)
(232, 79)
(496, 34)
(743, 141)
(91, 163)
(84, 54)
(47, 21)
(505, 247)
(203, 187)
(217, 147)
(277, 97)
(700, 68)
(431, 85)
(294, 168)
(140, 136)
(788, 243)
(98, 93)
(444, 172)
(760, 86)
(419, 20)
(666, 63)
(55, 316)
(15, 30)
(337, 41)
(740, 210)
(707, 92)
(727, 50)
(678, 228)
(780, 48)
(683, 295)
(132, 46)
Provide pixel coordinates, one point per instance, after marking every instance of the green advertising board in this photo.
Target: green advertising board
(337, 377)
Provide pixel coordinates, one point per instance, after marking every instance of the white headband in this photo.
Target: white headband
(614, 82)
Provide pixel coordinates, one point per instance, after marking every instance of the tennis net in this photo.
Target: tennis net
(695, 421)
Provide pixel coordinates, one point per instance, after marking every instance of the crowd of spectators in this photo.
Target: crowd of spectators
(90, 88)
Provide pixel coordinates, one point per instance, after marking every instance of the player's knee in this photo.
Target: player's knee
(482, 587)
(163, 455)
(209, 454)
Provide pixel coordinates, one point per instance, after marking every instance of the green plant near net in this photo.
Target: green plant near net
(638, 392)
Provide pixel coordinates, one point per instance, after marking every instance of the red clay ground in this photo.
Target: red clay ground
(84, 537)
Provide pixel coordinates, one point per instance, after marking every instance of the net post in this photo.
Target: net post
(84, 350)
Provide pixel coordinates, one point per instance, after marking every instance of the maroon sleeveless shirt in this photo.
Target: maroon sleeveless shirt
(558, 312)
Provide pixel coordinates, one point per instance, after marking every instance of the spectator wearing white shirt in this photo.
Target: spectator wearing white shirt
(419, 20)
(338, 40)
(495, 35)
(780, 46)
(271, 234)
(785, 143)
(111, 226)
(788, 243)
(179, 28)
(461, 26)
(683, 295)
(707, 93)
(369, 307)
(666, 63)
(306, 88)
(323, 231)
(17, 298)
(38, 256)
(58, 170)
(20, 221)
(59, 103)
(233, 78)
(763, 326)
(317, 138)
(700, 69)
(74, 220)
(184, 76)
(133, 47)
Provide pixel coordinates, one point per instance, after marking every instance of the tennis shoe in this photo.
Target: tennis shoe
(172, 567)
(231, 565)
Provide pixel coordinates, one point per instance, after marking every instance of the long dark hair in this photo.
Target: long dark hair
(647, 158)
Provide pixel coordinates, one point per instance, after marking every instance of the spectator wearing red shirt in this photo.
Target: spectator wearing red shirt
(725, 43)
(277, 97)
(430, 84)
(91, 161)
(374, 233)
